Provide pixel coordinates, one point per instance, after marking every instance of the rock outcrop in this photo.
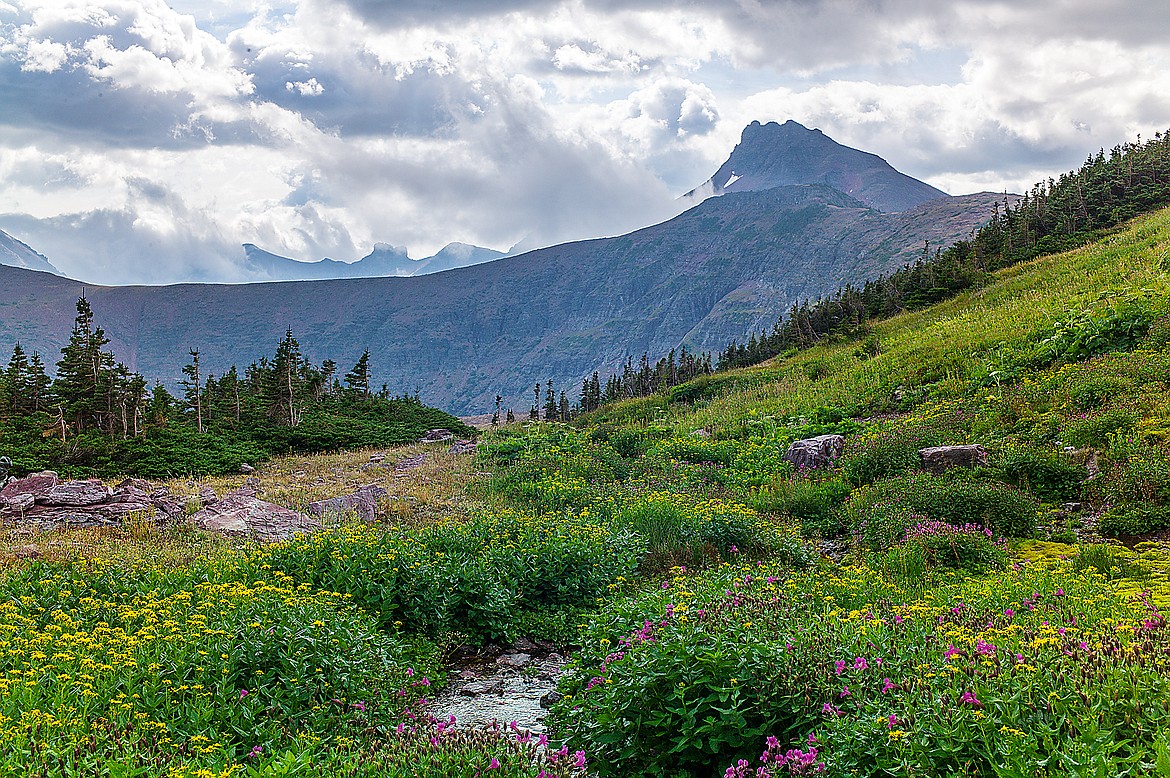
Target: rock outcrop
(43, 500)
(363, 503)
(815, 453)
(242, 514)
(939, 459)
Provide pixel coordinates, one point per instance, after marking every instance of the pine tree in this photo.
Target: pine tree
(285, 380)
(194, 389)
(358, 379)
(550, 402)
(511, 417)
(496, 415)
(534, 413)
(39, 385)
(81, 373)
(564, 407)
(15, 384)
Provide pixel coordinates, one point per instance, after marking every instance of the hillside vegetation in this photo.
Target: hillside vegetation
(732, 616)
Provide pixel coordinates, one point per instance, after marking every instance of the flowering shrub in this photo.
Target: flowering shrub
(882, 513)
(970, 547)
(1032, 671)
(893, 450)
(154, 668)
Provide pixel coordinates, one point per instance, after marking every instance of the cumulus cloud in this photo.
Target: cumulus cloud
(145, 141)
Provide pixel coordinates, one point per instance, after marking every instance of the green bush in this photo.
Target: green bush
(1050, 475)
(881, 511)
(1133, 520)
(813, 500)
(894, 450)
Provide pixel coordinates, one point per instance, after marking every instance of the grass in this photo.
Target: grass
(948, 655)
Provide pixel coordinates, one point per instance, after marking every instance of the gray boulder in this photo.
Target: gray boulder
(462, 447)
(76, 494)
(363, 502)
(436, 436)
(939, 459)
(242, 514)
(815, 453)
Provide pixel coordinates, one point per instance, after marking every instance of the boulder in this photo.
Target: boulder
(35, 484)
(700, 433)
(462, 447)
(815, 453)
(207, 496)
(242, 514)
(19, 503)
(939, 459)
(363, 502)
(75, 494)
(247, 469)
(437, 436)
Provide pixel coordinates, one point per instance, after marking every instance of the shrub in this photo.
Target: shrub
(894, 451)
(813, 500)
(970, 548)
(1050, 475)
(677, 531)
(882, 511)
(1133, 520)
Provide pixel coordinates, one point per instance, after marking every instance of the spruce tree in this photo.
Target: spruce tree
(285, 381)
(193, 389)
(358, 379)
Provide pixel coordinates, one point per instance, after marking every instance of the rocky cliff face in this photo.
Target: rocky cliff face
(14, 253)
(772, 155)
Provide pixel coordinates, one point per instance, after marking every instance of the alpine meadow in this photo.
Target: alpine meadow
(813, 470)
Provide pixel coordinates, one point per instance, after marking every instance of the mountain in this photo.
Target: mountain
(14, 253)
(771, 155)
(730, 265)
(384, 260)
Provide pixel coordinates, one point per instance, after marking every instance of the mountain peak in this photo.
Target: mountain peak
(16, 253)
(789, 154)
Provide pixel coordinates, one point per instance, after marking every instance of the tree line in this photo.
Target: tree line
(1055, 215)
(96, 415)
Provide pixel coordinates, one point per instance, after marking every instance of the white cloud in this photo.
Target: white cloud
(316, 128)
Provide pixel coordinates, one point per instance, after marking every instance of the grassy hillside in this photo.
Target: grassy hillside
(729, 613)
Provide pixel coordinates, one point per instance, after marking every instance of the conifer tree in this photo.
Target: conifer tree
(39, 385)
(285, 381)
(358, 379)
(16, 383)
(550, 402)
(194, 389)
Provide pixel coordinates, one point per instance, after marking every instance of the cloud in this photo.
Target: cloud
(140, 142)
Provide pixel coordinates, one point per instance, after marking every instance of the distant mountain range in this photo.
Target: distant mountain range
(14, 253)
(728, 266)
(384, 260)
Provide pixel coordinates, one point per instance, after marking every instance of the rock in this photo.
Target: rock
(437, 436)
(815, 453)
(242, 514)
(20, 503)
(410, 463)
(1072, 507)
(207, 496)
(363, 502)
(551, 699)
(377, 458)
(76, 494)
(462, 447)
(476, 688)
(939, 459)
(27, 552)
(516, 660)
(252, 483)
(700, 433)
(135, 485)
(35, 484)
(246, 469)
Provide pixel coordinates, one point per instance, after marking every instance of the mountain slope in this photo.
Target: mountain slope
(384, 260)
(771, 155)
(728, 266)
(14, 253)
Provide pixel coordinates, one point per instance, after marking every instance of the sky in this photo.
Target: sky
(144, 142)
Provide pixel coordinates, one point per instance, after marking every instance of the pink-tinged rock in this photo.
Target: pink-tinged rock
(76, 494)
(242, 514)
(35, 484)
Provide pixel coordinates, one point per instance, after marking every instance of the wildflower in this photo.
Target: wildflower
(495, 765)
(860, 664)
(243, 693)
(969, 698)
(887, 685)
(840, 666)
